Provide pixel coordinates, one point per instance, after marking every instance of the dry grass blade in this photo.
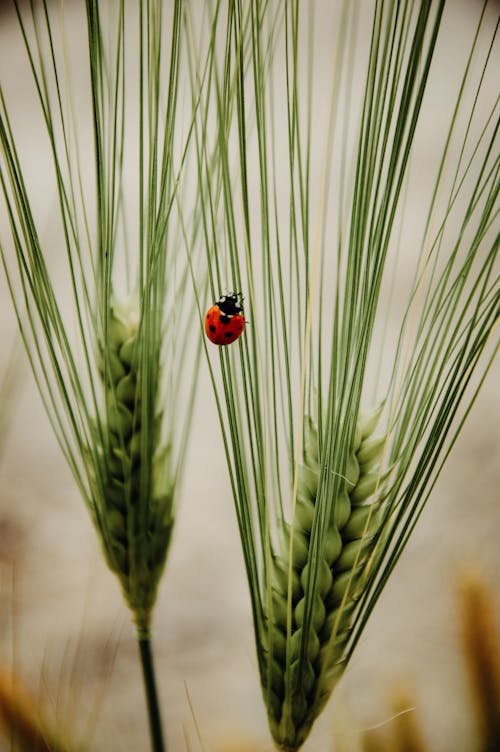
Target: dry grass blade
(23, 721)
(482, 654)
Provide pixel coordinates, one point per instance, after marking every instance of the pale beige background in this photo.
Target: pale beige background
(62, 618)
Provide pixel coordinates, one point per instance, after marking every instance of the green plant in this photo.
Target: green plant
(308, 222)
(103, 311)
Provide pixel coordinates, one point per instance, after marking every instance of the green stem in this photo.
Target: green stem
(148, 674)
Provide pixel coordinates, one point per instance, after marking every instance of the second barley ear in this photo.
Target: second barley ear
(302, 653)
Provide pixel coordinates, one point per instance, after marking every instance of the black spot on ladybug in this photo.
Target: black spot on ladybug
(212, 328)
(240, 328)
(208, 315)
(225, 319)
(228, 335)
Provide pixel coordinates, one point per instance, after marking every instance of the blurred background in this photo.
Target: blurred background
(65, 632)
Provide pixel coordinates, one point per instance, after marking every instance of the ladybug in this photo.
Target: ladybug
(224, 321)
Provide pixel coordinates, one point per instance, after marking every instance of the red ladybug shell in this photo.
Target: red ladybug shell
(224, 321)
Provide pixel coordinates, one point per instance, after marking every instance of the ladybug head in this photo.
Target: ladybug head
(230, 304)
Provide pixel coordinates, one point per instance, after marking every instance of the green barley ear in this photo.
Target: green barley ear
(107, 322)
(306, 219)
(134, 485)
(302, 656)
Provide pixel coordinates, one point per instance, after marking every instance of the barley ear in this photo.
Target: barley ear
(302, 658)
(134, 486)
